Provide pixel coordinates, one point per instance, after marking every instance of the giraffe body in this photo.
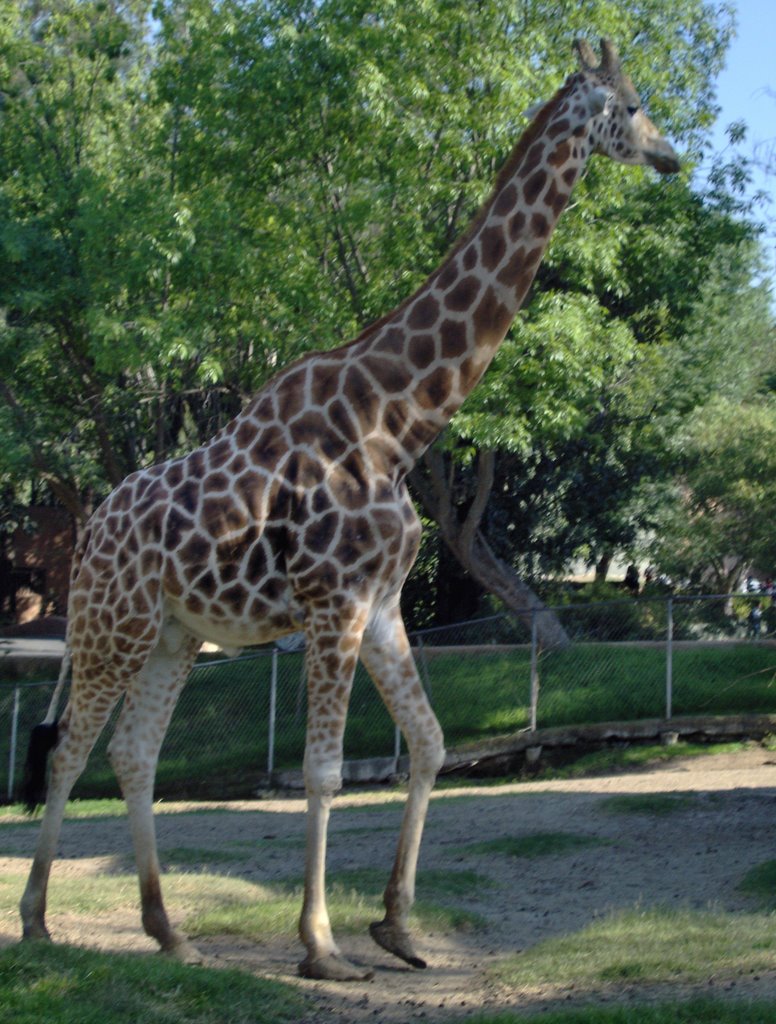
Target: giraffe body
(297, 516)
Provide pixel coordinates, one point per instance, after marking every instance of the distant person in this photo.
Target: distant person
(632, 579)
(752, 584)
(7, 588)
(754, 621)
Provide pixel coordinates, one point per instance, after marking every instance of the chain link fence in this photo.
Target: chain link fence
(240, 720)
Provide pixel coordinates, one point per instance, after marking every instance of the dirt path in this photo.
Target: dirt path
(694, 858)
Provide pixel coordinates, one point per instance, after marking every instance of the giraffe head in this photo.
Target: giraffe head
(619, 127)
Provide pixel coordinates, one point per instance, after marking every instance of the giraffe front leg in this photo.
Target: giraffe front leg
(393, 932)
(324, 960)
(331, 662)
(387, 656)
(156, 923)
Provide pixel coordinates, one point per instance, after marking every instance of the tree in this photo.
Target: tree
(608, 376)
(254, 180)
(82, 229)
(719, 524)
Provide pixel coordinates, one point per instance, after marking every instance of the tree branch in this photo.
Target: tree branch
(470, 546)
(486, 462)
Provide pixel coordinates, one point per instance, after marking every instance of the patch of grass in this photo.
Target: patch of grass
(457, 884)
(275, 911)
(648, 803)
(76, 809)
(435, 917)
(75, 895)
(711, 680)
(213, 748)
(760, 882)
(618, 759)
(216, 905)
(434, 890)
(197, 857)
(694, 1011)
(42, 982)
(648, 946)
(353, 899)
(535, 844)
(110, 893)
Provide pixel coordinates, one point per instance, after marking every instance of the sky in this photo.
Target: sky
(743, 93)
(750, 73)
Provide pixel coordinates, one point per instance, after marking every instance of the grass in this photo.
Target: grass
(215, 747)
(220, 905)
(651, 946)
(41, 982)
(649, 803)
(618, 759)
(113, 892)
(693, 1011)
(760, 882)
(535, 844)
(437, 892)
(76, 809)
(253, 913)
(197, 857)
(623, 682)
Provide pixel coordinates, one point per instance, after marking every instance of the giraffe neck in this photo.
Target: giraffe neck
(446, 334)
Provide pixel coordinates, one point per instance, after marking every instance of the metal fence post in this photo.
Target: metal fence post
(14, 734)
(669, 656)
(534, 670)
(273, 693)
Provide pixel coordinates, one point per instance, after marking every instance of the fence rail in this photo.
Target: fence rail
(241, 719)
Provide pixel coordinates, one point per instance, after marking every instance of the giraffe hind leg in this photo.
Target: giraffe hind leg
(386, 654)
(76, 733)
(134, 754)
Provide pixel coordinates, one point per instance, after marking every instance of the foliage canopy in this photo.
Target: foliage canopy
(193, 194)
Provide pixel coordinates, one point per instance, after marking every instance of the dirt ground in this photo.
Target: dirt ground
(694, 858)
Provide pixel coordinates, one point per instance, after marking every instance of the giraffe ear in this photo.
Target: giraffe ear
(585, 54)
(599, 101)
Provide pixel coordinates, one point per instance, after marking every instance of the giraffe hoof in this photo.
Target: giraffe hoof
(184, 952)
(396, 941)
(35, 933)
(333, 968)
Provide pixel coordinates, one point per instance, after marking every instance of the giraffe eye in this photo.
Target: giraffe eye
(632, 111)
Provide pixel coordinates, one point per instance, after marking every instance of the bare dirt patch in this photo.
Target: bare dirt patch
(692, 858)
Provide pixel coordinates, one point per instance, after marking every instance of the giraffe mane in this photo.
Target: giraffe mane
(524, 143)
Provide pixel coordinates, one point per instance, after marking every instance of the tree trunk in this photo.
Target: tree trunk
(602, 567)
(469, 545)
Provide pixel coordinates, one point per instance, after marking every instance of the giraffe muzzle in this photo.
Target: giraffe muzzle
(662, 157)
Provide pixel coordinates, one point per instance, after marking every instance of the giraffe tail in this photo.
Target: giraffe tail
(42, 741)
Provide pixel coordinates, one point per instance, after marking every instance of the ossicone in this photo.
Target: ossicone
(610, 58)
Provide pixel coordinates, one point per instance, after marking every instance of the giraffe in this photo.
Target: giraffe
(297, 516)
